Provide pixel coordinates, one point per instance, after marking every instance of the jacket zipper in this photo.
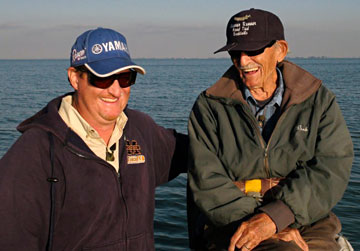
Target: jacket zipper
(266, 148)
(262, 143)
(118, 180)
(122, 155)
(266, 157)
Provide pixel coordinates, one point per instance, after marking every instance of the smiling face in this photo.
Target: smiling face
(259, 71)
(99, 107)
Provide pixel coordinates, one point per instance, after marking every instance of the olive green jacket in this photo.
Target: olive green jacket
(310, 146)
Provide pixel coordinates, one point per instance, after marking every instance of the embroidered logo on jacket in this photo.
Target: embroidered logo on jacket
(302, 128)
(134, 155)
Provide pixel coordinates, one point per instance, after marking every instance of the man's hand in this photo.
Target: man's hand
(292, 234)
(252, 232)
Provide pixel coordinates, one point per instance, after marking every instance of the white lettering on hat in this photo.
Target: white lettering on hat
(105, 45)
(121, 46)
(241, 29)
(96, 49)
(249, 24)
(110, 46)
(77, 56)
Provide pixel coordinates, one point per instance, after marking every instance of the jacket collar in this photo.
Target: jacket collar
(49, 120)
(299, 85)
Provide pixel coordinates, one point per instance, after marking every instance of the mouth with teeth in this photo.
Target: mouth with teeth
(251, 70)
(109, 100)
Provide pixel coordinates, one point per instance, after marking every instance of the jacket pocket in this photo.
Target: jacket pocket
(116, 245)
(143, 241)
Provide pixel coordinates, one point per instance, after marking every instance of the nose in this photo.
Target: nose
(244, 59)
(115, 89)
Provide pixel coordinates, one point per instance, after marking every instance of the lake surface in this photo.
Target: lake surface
(167, 93)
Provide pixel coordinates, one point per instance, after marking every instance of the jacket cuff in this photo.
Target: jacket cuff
(280, 213)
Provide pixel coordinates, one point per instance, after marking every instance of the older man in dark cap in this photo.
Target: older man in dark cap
(270, 153)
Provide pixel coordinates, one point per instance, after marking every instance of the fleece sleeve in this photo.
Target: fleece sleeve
(24, 193)
(169, 150)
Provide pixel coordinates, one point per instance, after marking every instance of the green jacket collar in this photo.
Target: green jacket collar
(299, 85)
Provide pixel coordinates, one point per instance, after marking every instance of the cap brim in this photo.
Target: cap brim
(227, 47)
(249, 46)
(111, 66)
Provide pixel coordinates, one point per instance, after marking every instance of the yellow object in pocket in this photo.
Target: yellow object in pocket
(253, 186)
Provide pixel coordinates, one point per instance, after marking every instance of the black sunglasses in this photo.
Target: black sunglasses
(125, 79)
(237, 54)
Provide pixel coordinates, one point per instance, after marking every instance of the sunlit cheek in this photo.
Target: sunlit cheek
(126, 96)
(124, 103)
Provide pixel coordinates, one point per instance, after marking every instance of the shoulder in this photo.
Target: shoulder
(28, 151)
(202, 97)
(33, 136)
(326, 93)
(138, 118)
(227, 85)
(298, 80)
(141, 125)
(33, 142)
(324, 97)
(144, 124)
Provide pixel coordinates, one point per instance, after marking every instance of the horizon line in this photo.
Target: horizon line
(141, 58)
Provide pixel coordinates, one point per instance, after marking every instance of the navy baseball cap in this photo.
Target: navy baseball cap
(104, 52)
(251, 30)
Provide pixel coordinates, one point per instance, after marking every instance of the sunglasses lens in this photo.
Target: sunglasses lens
(237, 54)
(254, 53)
(125, 80)
(102, 83)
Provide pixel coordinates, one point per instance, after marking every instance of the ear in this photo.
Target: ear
(282, 50)
(73, 77)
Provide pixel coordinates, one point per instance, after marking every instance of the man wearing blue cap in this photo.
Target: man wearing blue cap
(270, 153)
(82, 176)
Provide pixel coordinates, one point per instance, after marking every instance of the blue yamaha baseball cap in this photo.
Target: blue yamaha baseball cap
(104, 52)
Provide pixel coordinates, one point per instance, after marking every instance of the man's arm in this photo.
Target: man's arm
(25, 193)
(317, 185)
(312, 189)
(180, 157)
(169, 148)
(213, 190)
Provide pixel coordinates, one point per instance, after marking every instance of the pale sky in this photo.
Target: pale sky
(46, 29)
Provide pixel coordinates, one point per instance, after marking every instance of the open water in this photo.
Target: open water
(167, 93)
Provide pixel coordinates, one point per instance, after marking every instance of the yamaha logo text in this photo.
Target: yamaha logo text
(109, 46)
